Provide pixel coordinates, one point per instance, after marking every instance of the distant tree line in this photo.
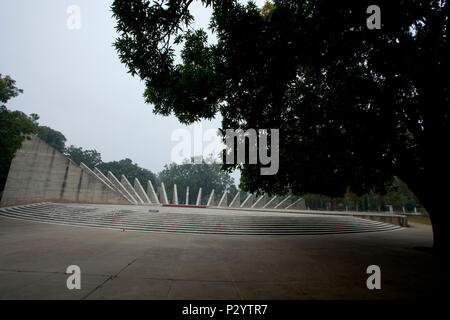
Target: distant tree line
(195, 176)
(397, 195)
(14, 125)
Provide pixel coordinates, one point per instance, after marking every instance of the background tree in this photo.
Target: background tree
(52, 137)
(8, 89)
(130, 170)
(14, 126)
(354, 106)
(400, 197)
(91, 158)
(196, 176)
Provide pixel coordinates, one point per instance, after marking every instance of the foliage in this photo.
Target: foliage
(91, 158)
(8, 89)
(52, 137)
(267, 9)
(205, 176)
(355, 107)
(14, 126)
(130, 170)
(397, 194)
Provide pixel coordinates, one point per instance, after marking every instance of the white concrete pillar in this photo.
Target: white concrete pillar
(104, 178)
(235, 203)
(299, 204)
(283, 203)
(211, 199)
(131, 190)
(92, 173)
(175, 194)
(260, 202)
(151, 193)
(223, 201)
(187, 195)
(199, 197)
(163, 194)
(99, 178)
(112, 185)
(119, 186)
(140, 190)
(272, 202)
(247, 203)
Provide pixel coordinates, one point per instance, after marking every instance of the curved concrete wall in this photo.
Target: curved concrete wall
(40, 173)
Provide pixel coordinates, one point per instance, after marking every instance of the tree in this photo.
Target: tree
(14, 126)
(196, 176)
(400, 196)
(354, 106)
(91, 158)
(130, 170)
(52, 137)
(8, 89)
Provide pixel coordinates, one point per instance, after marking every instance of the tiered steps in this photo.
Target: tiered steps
(188, 220)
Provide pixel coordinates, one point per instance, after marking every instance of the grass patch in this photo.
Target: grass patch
(423, 220)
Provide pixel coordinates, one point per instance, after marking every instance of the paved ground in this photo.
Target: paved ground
(150, 265)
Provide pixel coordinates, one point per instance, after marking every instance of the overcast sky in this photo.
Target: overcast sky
(73, 79)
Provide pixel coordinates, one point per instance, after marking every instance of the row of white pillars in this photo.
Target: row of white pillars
(251, 201)
(136, 194)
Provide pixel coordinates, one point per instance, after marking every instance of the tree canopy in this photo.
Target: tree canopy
(14, 126)
(91, 158)
(53, 137)
(354, 106)
(130, 170)
(195, 176)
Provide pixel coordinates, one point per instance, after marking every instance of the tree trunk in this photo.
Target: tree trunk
(333, 205)
(432, 191)
(439, 216)
(433, 196)
(429, 196)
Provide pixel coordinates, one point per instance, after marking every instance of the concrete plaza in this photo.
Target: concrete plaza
(153, 265)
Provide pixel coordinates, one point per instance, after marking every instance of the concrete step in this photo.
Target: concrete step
(199, 223)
